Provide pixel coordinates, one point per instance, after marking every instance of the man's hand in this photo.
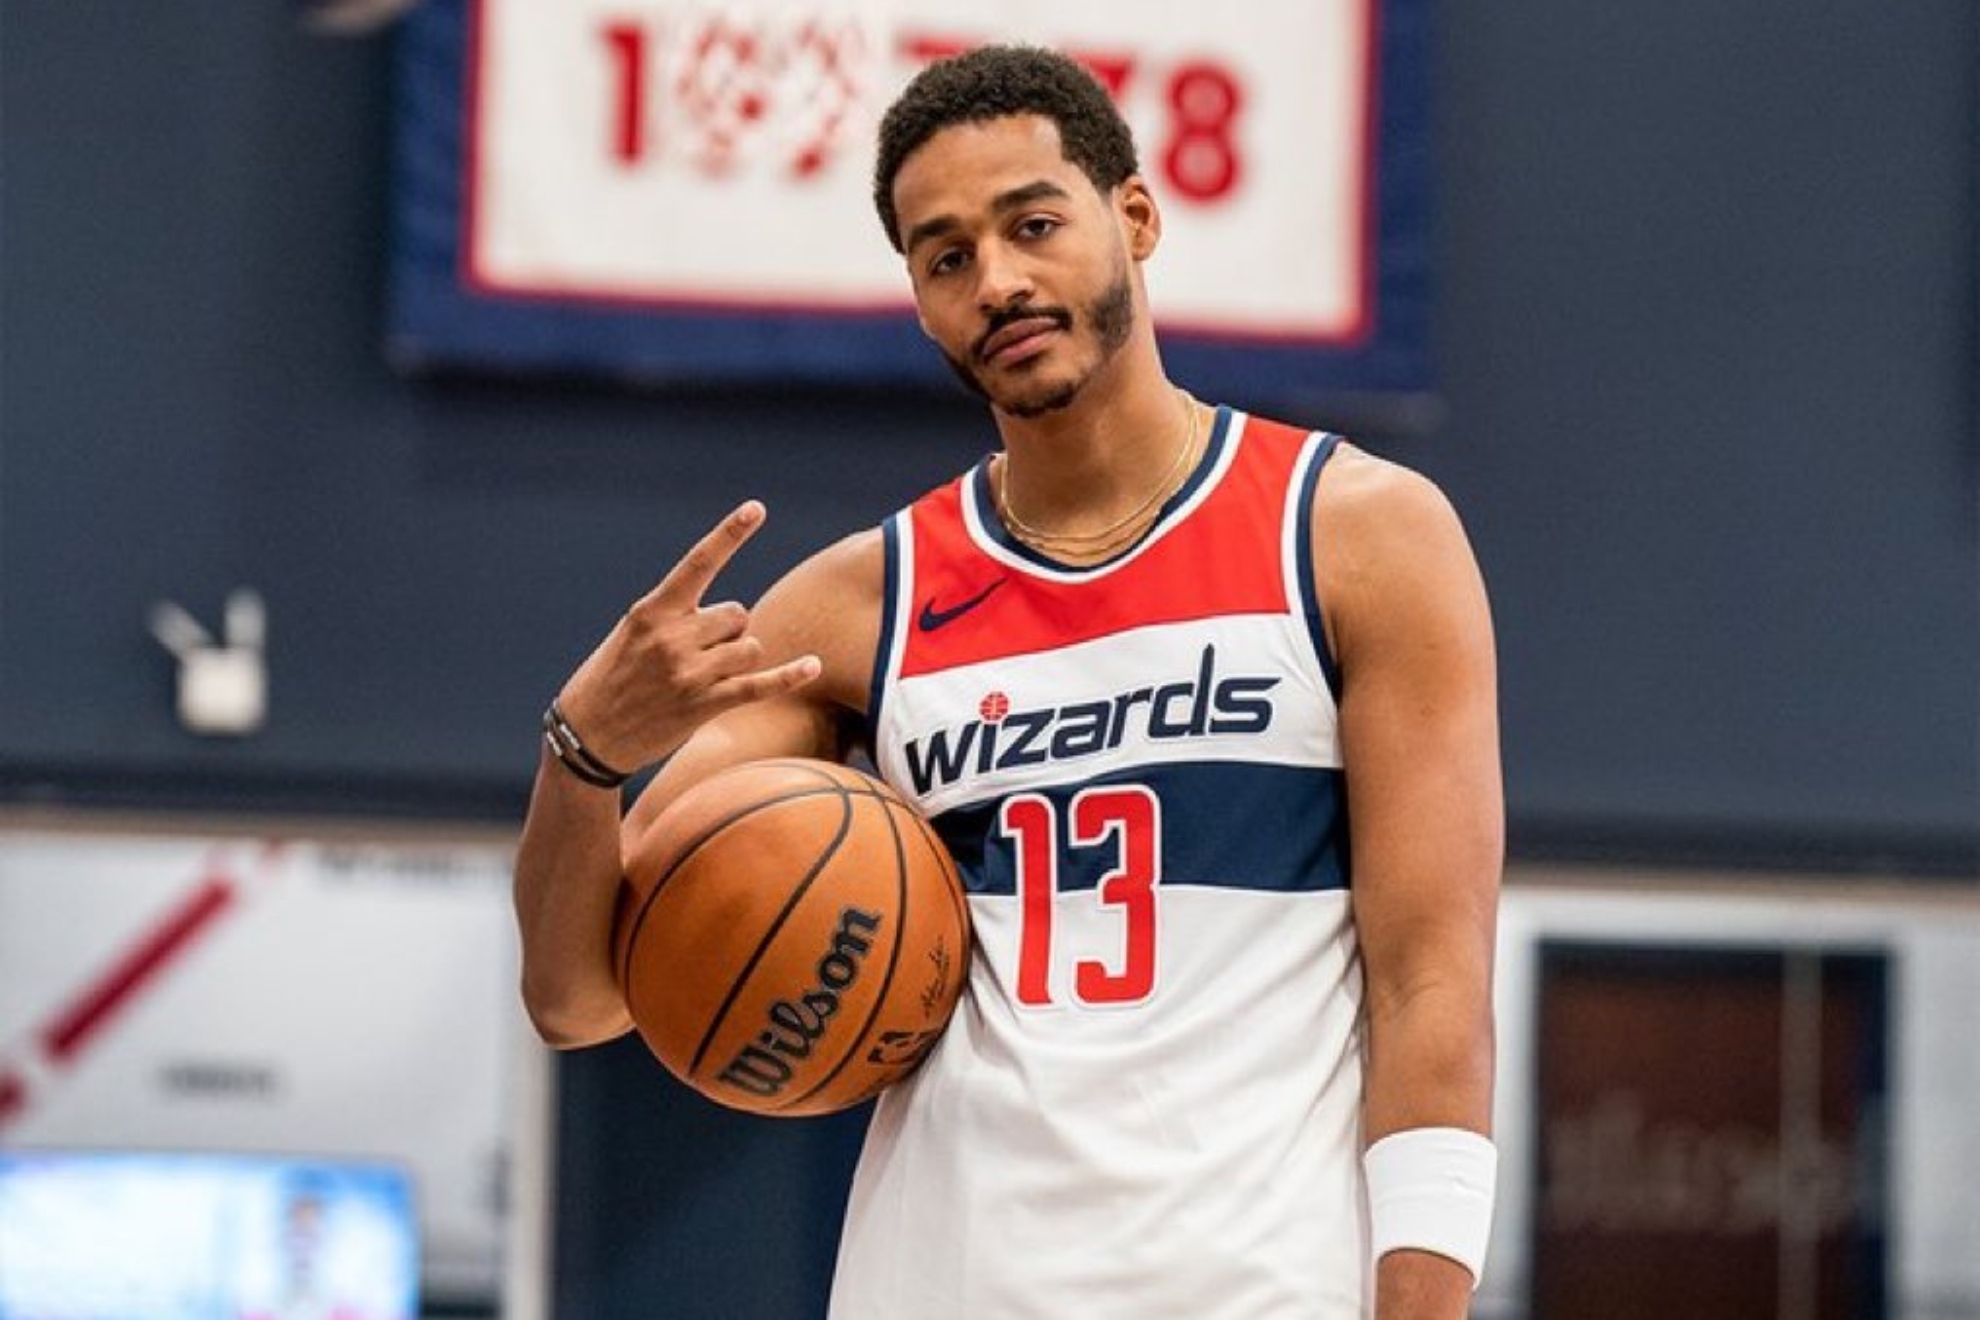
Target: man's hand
(673, 663)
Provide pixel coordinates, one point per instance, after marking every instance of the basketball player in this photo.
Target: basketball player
(1204, 705)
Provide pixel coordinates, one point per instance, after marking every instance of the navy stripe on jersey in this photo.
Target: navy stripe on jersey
(979, 490)
(1307, 586)
(1213, 448)
(1284, 826)
(890, 540)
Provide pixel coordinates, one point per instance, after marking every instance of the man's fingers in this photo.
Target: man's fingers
(760, 684)
(715, 624)
(689, 580)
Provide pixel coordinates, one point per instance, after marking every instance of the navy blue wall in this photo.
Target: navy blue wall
(1708, 358)
(194, 398)
(1707, 332)
(1708, 299)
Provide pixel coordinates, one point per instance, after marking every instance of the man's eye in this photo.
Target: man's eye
(946, 262)
(1036, 226)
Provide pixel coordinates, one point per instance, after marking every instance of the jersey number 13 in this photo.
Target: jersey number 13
(1124, 818)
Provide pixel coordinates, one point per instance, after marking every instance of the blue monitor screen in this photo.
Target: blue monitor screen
(96, 1235)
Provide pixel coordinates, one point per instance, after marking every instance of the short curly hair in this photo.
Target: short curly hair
(991, 82)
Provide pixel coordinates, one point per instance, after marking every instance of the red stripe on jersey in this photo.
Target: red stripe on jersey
(1222, 558)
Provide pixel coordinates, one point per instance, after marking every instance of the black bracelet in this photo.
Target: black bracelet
(573, 755)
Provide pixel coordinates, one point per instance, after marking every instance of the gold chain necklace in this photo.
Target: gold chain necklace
(1115, 534)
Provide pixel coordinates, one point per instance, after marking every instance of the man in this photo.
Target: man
(1205, 708)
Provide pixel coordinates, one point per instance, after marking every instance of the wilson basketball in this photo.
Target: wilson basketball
(793, 937)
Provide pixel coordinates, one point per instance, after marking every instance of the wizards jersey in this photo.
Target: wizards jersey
(1147, 1103)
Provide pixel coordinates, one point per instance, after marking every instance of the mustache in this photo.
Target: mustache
(1059, 316)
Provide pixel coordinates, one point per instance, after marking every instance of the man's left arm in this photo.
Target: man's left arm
(1409, 625)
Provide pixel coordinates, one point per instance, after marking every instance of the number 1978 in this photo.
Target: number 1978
(717, 91)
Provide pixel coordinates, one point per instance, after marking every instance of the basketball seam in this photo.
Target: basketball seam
(861, 785)
(646, 903)
(893, 957)
(741, 977)
(958, 892)
(659, 884)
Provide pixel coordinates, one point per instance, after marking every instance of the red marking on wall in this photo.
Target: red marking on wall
(76, 1023)
(71, 1028)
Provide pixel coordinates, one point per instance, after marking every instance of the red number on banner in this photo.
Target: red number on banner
(1112, 70)
(1130, 816)
(1201, 161)
(720, 91)
(739, 89)
(625, 44)
(732, 92)
(828, 61)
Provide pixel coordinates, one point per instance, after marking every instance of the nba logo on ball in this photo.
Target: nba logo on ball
(793, 937)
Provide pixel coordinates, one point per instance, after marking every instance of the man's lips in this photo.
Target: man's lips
(1012, 338)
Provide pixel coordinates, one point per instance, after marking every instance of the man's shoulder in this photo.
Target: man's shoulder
(1360, 486)
(854, 562)
(1387, 532)
(1355, 484)
(829, 605)
(834, 585)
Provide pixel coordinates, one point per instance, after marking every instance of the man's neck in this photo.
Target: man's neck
(1096, 458)
(1094, 478)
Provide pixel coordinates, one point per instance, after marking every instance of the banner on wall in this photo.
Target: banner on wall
(667, 190)
(1712, 1136)
(337, 1001)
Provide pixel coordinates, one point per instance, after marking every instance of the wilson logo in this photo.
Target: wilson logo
(1000, 738)
(766, 1065)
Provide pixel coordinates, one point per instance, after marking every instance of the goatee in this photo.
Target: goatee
(1112, 317)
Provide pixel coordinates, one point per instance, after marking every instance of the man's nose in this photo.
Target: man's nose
(1002, 279)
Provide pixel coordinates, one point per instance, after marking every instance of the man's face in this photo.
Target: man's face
(1021, 269)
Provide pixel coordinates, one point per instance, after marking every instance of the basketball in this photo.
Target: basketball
(792, 938)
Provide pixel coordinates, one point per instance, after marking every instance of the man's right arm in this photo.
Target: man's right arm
(569, 863)
(703, 688)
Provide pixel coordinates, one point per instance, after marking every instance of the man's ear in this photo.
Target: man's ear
(1141, 218)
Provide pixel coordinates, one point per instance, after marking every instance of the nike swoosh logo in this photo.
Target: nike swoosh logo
(932, 618)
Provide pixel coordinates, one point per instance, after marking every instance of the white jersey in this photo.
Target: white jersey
(1148, 1102)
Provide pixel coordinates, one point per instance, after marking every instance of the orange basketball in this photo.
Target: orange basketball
(793, 938)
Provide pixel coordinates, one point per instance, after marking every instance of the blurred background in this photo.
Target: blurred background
(310, 498)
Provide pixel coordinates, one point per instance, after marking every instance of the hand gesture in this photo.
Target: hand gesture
(672, 663)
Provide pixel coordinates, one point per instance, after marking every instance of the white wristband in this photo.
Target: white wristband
(1431, 1189)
